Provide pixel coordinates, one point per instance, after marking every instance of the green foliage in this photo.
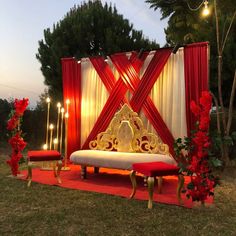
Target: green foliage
(187, 26)
(5, 109)
(33, 123)
(86, 30)
(219, 140)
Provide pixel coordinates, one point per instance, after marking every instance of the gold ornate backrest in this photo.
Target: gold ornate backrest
(138, 139)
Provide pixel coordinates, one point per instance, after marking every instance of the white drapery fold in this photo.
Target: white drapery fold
(93, 98)
(168, 95)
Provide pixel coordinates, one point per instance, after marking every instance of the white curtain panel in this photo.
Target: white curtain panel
(93, 99)
(168, 95)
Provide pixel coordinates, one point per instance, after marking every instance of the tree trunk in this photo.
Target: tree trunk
(231, 104)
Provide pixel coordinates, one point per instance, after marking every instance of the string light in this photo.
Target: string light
(205, 11)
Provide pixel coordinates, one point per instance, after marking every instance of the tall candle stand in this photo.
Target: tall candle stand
(46, 166)
(65, 167)
(61, 132)
(51, 127)
(48, 100)
(58, 123)
(55, 144)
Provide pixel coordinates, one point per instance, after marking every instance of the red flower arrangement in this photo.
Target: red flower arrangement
(197, 162)
(202, 181)
(16, 141)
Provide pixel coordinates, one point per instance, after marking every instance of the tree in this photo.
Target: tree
(224, 45)
(5, 108)
(185, 25)
(86, 30)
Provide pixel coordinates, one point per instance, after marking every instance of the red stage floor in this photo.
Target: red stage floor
(113, 182)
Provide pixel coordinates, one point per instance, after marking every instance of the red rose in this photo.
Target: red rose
(17, 142)
(204, 122)
(206, 100)
(13, 122)
(20, 105)
(195, 108)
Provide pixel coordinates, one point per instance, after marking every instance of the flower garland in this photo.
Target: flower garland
(202, 181)
(16, 141)
(194, 153)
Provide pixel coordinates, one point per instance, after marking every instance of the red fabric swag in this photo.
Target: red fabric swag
(71, 74)
(196, 77)
(126, 71)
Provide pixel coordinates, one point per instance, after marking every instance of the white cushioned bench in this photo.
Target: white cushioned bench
(124, 143)
(116, 160)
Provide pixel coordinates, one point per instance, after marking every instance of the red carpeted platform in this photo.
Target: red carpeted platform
(113, 182)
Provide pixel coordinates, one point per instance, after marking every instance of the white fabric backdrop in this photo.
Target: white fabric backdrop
(168, 94)
(93, 98)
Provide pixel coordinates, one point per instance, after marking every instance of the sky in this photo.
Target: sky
(22, 23)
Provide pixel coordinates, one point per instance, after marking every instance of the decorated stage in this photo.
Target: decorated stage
(112, 182)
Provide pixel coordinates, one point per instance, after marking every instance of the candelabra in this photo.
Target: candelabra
(57, 142)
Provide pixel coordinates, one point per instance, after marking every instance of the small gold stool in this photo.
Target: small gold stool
(152, 170)
(41, 157)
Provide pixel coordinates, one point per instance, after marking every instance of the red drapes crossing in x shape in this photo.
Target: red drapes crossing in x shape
(117, 94)
(142, 88)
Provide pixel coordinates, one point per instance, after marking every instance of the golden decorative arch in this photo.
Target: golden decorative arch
(140, 140)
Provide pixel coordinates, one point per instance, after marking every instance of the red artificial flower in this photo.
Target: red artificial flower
(206, 100)
(200, 138)
(201, 184)
(13, 122)
(17, 142)
(194, 164)
(20, 106)
(195, 108)
(204, 122)
(201, 153)
(13, 162)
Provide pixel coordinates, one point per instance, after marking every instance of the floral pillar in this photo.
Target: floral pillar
(16, 141)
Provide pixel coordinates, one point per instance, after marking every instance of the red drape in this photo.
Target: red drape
(196, 77)
(71, 77)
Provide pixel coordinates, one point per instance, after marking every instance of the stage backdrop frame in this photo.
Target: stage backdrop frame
(150, 83)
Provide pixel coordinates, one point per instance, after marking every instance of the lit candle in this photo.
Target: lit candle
(66, 134)
(58, 118)
(51, 132)
(55, 142)
(45, 147)
(48, 100)
(61, 133)
(67, 105)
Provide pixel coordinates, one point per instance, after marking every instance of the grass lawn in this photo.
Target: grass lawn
(46, 210)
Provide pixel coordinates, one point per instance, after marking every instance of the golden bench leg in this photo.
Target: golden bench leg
(83, 172)
(134, 183)
(159, 186)
(59, 163)
(179, 188)
(55, 170)
(29, 177)
(150, 191)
